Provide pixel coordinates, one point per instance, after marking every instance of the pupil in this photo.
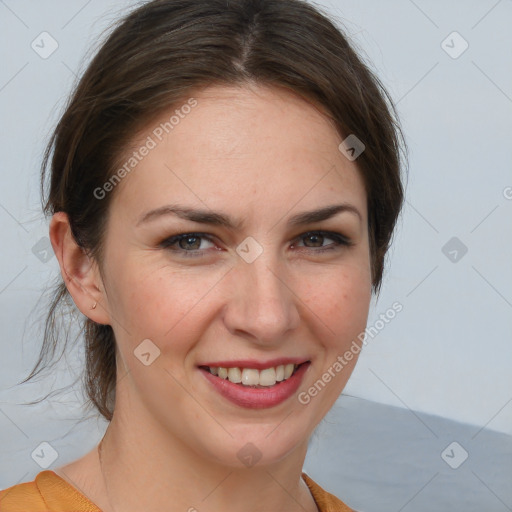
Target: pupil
(187, 243)
(317, 240)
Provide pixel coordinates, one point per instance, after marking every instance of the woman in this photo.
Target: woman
(224, 184)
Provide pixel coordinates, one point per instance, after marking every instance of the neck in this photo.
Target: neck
(157, 472)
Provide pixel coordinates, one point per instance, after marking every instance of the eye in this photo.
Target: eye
(315, 240)
(196, 244)
(189, 244)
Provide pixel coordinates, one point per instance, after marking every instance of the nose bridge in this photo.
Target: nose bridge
(264, 306)
(266, 281)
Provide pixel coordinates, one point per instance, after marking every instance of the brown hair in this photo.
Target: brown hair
(157, 56)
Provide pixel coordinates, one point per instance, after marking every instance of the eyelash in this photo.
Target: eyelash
(339, 241)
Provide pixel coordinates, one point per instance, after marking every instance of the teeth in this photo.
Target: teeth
(235, 375)
(250, 377)
(268, 377)
(288, 370)
(253, 377)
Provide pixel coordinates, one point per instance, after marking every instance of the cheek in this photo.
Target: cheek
(340, 300)
(164, 305)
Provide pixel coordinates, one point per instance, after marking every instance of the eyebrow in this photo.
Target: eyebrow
(222, 220)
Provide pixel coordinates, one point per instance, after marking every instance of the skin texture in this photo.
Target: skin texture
(260, 155)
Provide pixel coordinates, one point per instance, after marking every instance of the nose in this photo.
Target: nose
(261, 305)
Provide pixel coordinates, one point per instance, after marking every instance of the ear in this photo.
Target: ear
(80, 273)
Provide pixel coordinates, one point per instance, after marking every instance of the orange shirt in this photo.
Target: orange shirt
(50, 493)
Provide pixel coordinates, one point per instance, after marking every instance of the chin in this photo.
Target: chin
(262, 445)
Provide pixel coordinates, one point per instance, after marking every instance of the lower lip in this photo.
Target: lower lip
(257, 398)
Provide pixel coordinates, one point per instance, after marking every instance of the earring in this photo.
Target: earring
(94, 305)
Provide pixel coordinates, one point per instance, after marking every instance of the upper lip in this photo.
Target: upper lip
(255, 364)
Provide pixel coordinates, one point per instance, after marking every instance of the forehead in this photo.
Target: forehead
(237, 144)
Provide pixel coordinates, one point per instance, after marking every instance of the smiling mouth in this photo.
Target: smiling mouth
(253, 378)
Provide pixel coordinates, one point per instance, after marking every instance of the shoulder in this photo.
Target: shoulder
(46, 493)
(325, 501)
(22, 497)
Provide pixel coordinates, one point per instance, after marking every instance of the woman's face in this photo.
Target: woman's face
(248, 286)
